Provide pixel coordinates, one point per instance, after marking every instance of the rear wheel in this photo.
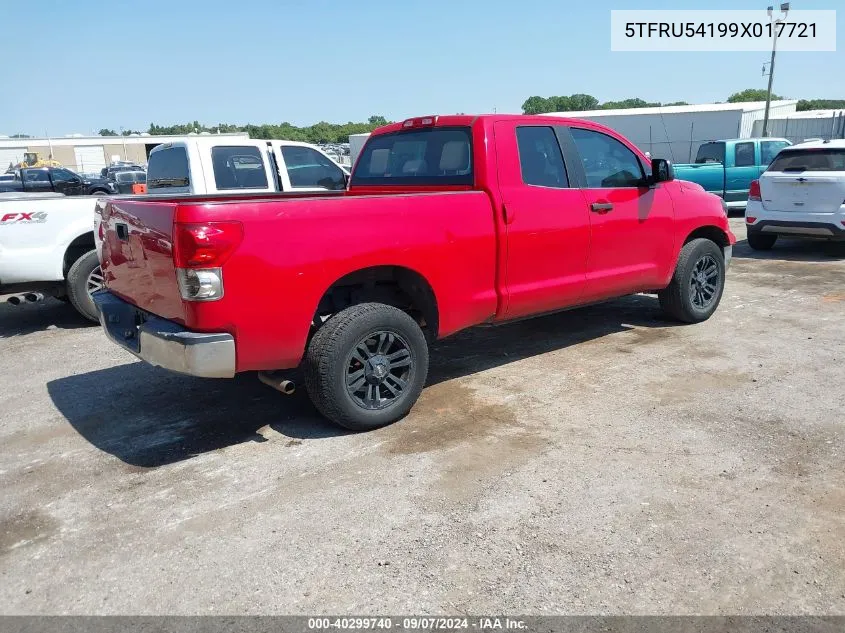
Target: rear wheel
(366, 366)
(761, 241)
(83, 279)
(697, 285)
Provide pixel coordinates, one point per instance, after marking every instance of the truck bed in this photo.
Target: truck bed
(294, 247)
(711, 176)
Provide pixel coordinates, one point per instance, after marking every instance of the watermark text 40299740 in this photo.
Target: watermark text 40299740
(729, 30)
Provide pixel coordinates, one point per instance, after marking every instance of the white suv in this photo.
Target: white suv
(801, 194)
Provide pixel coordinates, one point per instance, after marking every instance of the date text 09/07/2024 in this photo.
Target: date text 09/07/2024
(416, 623)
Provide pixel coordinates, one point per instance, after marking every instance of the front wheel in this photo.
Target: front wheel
(83, 279)
(366, 366)
(697, 285)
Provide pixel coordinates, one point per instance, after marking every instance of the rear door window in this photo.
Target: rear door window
(540, 159)
(238, 167)
(809, 160)
(437, 156)
(168, 168)
(37, 175)
(711, 153)
(770, 149)
(308, 168)
(744, 154)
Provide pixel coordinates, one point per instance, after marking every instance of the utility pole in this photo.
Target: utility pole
(774, 24)
(123, 136)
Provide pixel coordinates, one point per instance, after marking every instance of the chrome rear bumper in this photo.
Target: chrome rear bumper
(164, 343)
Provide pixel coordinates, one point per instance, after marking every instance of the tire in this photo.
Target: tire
(334, 359)
(696, 289)
(84, 270)
(761, 241)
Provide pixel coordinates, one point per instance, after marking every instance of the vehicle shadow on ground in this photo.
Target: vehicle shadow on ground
(149, 417)
(793, 250)
(35, 317)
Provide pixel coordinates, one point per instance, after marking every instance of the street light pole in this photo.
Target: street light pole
(784, 8)
(123, 136)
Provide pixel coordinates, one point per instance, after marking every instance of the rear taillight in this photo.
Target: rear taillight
(200, 250)
(206, 245)
(754, 191)
(750, 219)
(101, 232)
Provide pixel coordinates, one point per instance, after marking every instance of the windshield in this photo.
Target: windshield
(131, 176)
(432, 156)
(809, 160)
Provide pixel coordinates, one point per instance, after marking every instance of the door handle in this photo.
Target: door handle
(601, 207)
(508, 213)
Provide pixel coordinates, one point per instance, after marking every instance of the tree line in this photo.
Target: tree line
(321, 132)
(578, 102)
(324, 132)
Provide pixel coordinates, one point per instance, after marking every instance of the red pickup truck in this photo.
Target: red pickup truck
(448, 222)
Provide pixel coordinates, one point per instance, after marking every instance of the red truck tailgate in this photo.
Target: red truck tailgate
(137, 256)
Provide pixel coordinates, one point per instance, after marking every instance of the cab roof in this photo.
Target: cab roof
(838, 143)
(457, 120)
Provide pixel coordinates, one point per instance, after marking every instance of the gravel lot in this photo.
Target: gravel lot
(601, 460)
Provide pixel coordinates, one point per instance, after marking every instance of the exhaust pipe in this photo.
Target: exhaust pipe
(33, 297)
(287, 387)
(16, 300)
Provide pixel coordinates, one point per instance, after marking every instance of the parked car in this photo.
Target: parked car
(727, 168)
(56, 180)
(212, 165)
(47, 249)
(801, 194)
(125, 179)
(448, 222)
(107, 173)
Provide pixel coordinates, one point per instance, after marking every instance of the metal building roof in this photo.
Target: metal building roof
(748, 106)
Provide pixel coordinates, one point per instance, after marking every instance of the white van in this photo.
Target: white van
(214, 165)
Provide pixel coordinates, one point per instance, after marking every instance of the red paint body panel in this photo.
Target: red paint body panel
(495, 251)
(643, 221)
(547, 236)
(140, 268)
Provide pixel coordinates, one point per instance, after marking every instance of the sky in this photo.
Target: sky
(76, 67)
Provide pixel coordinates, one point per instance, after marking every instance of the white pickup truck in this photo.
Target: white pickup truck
(49, 243)
(47, 249)
(221, 165)
(213, 165)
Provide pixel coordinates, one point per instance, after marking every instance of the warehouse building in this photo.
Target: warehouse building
(87, 154)
(675, 132)
(800, 126)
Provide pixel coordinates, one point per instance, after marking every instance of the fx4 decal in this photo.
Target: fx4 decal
(34, 217)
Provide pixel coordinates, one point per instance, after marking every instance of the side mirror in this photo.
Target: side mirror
(661, 170)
